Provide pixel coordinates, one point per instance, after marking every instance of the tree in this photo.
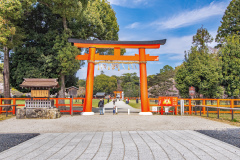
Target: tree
(162, 83)
(35, 58)
(202, 38)
(130, 84)
(104, 83)
(230, 55)
(81, 19)
(201, 70)
(81, 83)
(10, 34)
(230, 23)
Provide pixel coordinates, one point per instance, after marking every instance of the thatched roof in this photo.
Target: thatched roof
(39, 83)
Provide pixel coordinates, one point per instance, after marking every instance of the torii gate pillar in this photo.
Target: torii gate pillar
(87, 109)
(143, 83)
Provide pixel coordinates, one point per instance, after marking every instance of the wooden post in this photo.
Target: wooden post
(89, 83)
(71, 106)
(232, 104)
(190, 106)
(143, 83)
(56, 102)
(14, 107)
(204, 110)
(0, 104)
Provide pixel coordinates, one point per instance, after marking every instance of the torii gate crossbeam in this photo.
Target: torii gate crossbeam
(142, 58)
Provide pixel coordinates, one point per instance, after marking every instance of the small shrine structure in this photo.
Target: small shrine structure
(40, 87)
(72, 91)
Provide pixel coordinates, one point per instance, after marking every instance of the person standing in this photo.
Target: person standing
(101, 105)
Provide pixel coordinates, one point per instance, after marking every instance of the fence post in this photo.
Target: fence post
(14, 107)
(232, 104)
(207, 111)
(56, 102)
(204, 109)
(190, 105)
(232, 115)
(200, 111)
(218, 112)
(71, 105)
(0, 104)
(182, 107)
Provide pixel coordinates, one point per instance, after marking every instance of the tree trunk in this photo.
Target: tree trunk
(62, 92)
(62, 77)
(65, 23)
(6, 79)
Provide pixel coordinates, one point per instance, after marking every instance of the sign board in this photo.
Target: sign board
(154, 109)
(168, 101)
(39, 93)
(166, 109)
(191, 91)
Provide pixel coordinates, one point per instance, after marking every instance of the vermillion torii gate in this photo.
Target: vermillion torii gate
(142, 58)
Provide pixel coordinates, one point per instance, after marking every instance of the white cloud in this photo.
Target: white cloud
(129, 3)
(188, 18)
(133, 25)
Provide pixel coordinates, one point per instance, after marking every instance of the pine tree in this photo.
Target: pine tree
(200, 70)
(230, 23)
(230, 54)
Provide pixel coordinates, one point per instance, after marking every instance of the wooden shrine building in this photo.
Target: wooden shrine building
(40, 87)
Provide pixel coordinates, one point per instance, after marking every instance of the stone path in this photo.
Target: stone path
(119, 136)
(143, 145)
(122, 107)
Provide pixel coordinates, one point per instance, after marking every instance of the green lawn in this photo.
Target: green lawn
(224, 116)
(95, 102)
(133, 104)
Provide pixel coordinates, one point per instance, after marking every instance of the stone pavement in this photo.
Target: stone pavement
(119, 136)
(122, 107)
(143, 145)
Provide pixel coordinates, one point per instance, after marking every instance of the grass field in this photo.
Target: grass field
(224, 116)
(133, 104)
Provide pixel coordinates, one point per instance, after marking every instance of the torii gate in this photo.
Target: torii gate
(142, 58)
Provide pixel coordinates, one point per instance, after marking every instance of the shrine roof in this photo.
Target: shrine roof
(39, 83)
(72, 87)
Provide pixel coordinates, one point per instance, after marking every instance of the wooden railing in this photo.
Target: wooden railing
(189, 103)
(20, 102)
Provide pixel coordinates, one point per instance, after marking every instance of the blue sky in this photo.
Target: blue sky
(174, 20)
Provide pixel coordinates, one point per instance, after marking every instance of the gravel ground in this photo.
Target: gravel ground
(109, 122)
(230, 136)
(10, 140)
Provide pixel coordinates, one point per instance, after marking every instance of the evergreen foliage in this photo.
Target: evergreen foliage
(200, 70)
(230, 23)
(230, 55)
(130, 84)
(104, 83)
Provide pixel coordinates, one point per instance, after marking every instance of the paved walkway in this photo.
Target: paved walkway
(122, 107)
(119, 136)
(143, 145)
